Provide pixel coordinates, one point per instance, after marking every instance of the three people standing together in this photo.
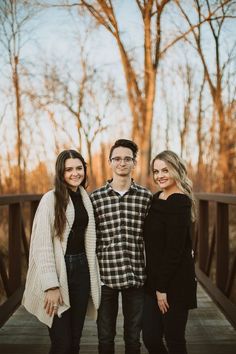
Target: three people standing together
(63, 276)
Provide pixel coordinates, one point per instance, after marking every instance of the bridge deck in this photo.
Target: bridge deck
(208, 332)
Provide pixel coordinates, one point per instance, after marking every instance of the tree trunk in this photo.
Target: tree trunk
(18, 124)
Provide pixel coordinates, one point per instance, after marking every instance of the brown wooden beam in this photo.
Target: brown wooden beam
(211, 252)
(33, 207)
(24, 240)
(227, 307)
(231, 277)
(203, 245)
(217, 197)
(14, 247)
(7, 199)
(9, 306)
(4, 276)
(222, 245)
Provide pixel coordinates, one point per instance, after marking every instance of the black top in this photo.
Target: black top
(170, 263)
(75, 242)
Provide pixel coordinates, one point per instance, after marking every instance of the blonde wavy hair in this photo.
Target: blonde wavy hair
(178, 171)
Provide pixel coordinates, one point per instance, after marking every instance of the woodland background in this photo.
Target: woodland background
(80, 74)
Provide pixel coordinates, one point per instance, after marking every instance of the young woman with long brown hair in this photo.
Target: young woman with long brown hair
(63, 269)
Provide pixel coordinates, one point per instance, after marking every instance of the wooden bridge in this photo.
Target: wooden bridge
(211, 328)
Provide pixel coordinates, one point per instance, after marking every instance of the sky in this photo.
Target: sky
(53, 38)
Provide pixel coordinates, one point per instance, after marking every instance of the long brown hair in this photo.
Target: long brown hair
(61, 189)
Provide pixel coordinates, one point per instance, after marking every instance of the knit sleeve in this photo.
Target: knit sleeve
(42, 242)
(95, 209)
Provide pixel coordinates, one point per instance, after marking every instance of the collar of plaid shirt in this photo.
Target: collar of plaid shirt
(133, 186)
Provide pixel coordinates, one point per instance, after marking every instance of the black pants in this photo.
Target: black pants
(66, 331)
(172, 326)
(132, 305)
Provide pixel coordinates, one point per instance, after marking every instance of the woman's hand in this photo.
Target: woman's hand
(162, 302)
(52, 301)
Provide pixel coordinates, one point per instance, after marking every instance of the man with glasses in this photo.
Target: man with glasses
(120, 208)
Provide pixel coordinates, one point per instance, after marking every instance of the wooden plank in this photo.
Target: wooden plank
(225, 304)
(208, 332)
(10, 305)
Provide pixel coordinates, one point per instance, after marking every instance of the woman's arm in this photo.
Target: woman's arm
(42, 242)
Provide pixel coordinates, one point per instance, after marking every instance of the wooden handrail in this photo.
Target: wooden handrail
(212, 255)
(212, 251)
(11, 273)
(229, 199)
(18, 198)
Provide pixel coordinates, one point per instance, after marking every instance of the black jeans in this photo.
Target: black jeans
(66, 331)
(132, 306)
(172, 326)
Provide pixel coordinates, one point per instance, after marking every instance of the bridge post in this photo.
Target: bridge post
(222, 246)
(33, 207)
(14, 244)
(203, 234)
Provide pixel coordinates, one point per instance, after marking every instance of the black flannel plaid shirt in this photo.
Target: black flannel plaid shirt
(120, 245)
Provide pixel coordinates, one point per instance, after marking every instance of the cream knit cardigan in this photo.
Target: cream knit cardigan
(47, 266)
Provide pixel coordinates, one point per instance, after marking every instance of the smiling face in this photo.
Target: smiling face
(162, 176)
(74, 173)
(122, 161)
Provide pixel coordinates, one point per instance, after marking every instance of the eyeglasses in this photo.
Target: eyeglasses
(118, 159)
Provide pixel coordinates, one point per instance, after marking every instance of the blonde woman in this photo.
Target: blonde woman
(171, 282)
(63, 269)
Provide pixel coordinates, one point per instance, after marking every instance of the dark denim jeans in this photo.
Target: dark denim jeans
(171, 326)
(66, 331)
(132, 306)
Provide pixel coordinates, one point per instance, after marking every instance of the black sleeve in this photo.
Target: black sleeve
(177, 231)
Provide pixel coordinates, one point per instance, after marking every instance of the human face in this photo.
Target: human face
(73, 173)
(162, 176)
(125, 163)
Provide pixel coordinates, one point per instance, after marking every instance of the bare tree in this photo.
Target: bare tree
(141, 85)
(141, 95)
(187, 76)
(200, 136)
(80, 101)
(215, 78)
(14, 16)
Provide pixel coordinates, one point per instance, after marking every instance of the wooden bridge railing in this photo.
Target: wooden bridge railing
(215, 249)
(215, 268)
(11, 268)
